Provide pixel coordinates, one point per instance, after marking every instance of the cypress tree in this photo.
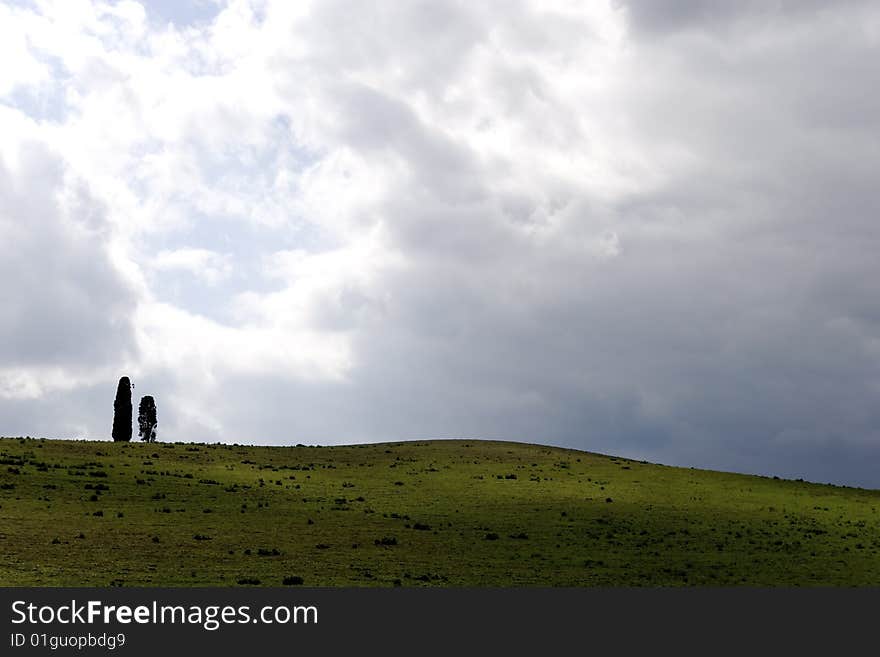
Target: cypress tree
(122, 411)
(147, 419)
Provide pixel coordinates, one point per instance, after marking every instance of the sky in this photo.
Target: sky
(638, 228)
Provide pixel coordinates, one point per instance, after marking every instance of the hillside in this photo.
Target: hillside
(427, 513)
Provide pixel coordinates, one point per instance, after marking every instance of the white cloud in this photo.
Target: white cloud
(203, 352)
(14, 47)
(204, 264)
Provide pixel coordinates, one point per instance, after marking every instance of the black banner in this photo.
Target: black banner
(409, 621)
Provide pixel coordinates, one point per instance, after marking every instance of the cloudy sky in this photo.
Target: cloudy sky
(640, 228)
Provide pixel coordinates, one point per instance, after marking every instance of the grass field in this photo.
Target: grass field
(426, 513)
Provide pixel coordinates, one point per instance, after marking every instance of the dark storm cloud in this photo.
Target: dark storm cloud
(678, 15)
(64, 304)
(85, 411)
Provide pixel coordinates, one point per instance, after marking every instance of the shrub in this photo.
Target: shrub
(252, 581)
(293, 580)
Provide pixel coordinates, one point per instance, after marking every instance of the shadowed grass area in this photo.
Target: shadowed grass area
(426, 513)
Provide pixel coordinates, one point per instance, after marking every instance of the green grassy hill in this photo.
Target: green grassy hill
(427, 513)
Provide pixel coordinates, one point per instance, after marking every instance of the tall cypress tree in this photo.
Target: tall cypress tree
(122, 411)
(147, 419)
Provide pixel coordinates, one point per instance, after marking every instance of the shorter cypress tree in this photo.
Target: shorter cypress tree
(147, 419)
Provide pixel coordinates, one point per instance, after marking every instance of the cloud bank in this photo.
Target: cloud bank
(614, 226)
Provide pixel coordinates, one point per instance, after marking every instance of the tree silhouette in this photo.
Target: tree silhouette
(122, 411)
(147, 419)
